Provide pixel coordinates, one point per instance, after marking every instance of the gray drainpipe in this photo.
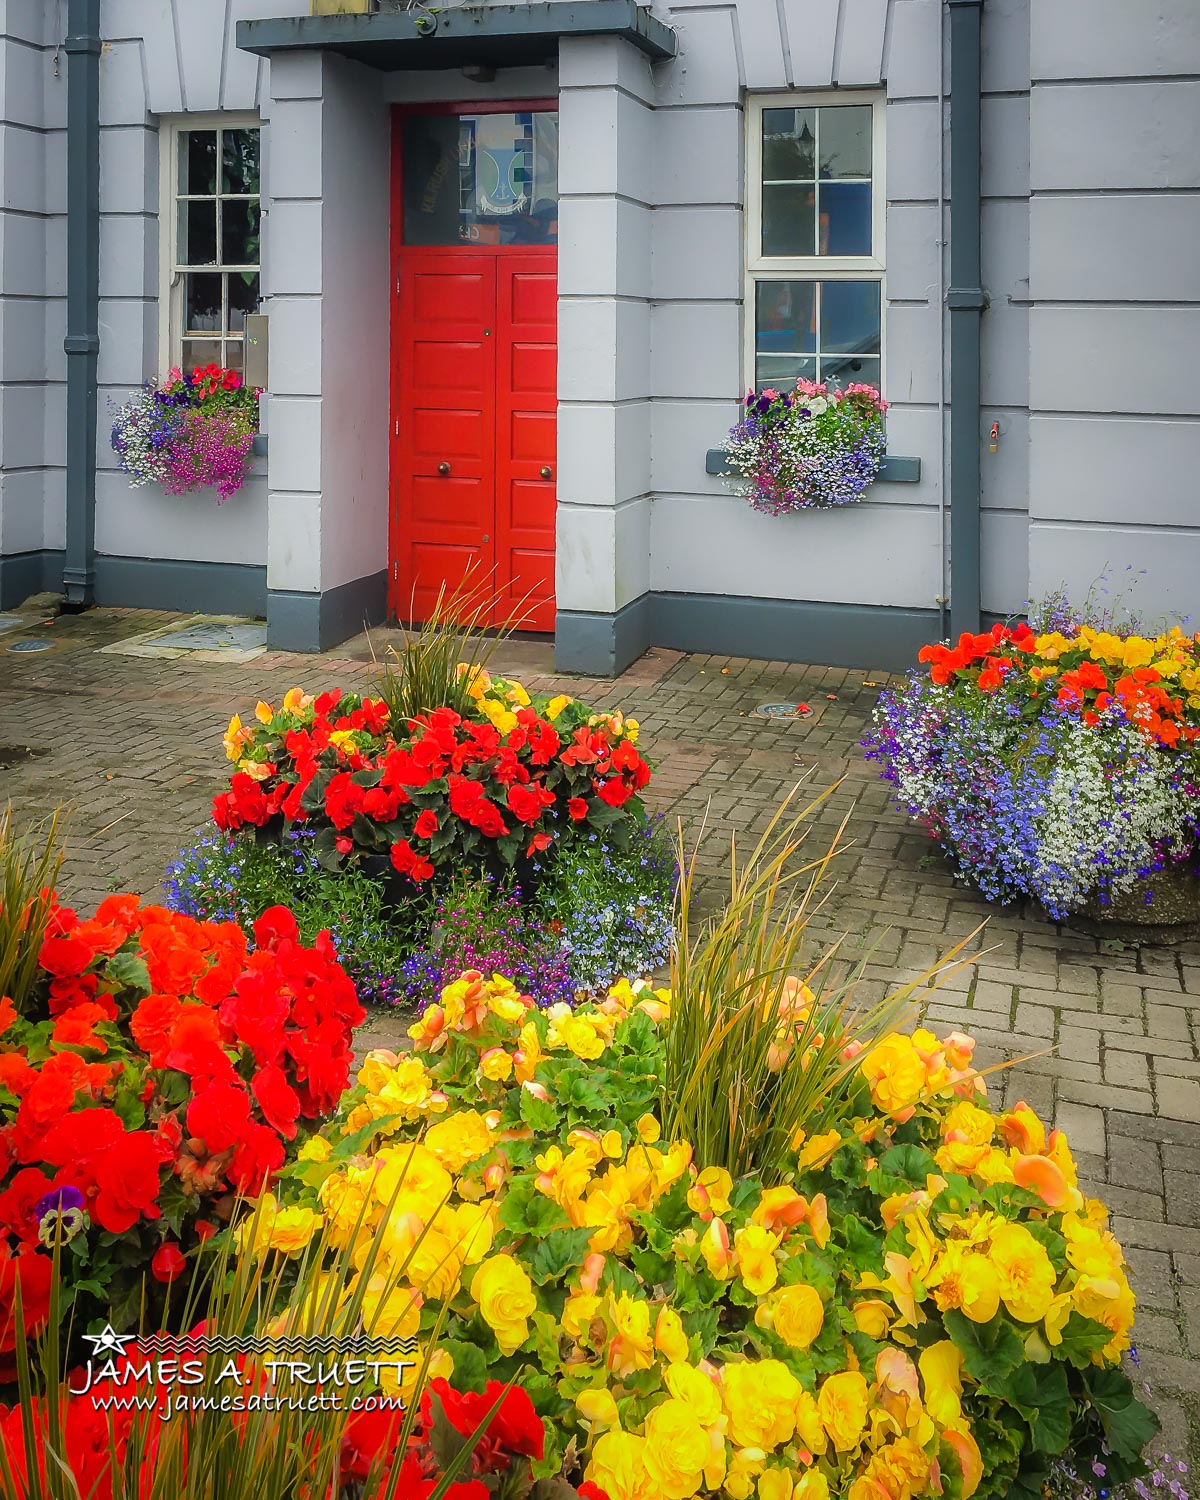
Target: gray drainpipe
(82, 342)
(966, 302)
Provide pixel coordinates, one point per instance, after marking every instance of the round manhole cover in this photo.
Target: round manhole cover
(783, 710)
(31, 645)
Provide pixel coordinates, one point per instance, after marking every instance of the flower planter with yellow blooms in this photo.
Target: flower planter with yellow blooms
(919, 1301)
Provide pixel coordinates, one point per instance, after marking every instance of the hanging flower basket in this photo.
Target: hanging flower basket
(189, 433)
(807, 449)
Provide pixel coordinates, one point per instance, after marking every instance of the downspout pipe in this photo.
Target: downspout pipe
(965, 300)
(82, 343)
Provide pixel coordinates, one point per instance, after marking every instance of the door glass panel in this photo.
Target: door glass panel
(481, 179)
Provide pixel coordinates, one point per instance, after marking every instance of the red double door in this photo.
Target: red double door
(475, 408)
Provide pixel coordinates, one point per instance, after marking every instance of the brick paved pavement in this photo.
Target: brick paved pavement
(133, 744)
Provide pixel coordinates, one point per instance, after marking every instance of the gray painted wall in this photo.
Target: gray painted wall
(1091, 124)
(1114, 318)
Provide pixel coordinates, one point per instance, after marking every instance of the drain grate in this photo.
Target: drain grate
(783, 710)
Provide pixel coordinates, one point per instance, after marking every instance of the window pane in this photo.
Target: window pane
(850, 369)
(233, 355)
(846, 141)
(202, 303)
(481, 179)
(845, 218)
(197, 352)
(197, 161)
(781, 371)
(239, 161)
(850, 317)
(197, 244)
(788, 144)
(243, 298)
(239, 232)
(785, 321)
(789, 220)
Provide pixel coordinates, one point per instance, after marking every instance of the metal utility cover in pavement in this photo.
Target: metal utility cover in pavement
(211, 635)
(206, 637)
(31, 646)
(781, 711)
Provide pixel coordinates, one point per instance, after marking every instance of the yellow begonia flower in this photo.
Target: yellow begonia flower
(895, 1072)
(1108, 1300)
(236, 738)
(966, 1280)
(711, 1189)
(598, 1408)
(273, 1228)
(872, 1316)
(556, 706)
(842, 1404)
(410, 1178)
(316, 1148)
(775, 1484)
(460, 1138)
(577, 1314)
(632, 1346)
(669, 1337)
(812, 1486)
(940, 1365)
(817, 1151)
(697, 1389)
(760, 1398)
(648, 1129)
(796, 1313)
(618, 1467)
(967, 1119)
(677, 1450)
(496, 1065)
(506, 1300)
(296, 700)
(1025, 1272)
(390, 1311)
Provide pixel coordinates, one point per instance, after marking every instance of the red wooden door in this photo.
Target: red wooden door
(445, 417)
(526, 435)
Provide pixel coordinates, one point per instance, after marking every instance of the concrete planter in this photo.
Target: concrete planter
(1172, 915)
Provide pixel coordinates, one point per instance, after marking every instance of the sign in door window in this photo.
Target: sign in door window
(486, 179)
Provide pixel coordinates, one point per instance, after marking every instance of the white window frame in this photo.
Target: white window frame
(760, 267)
(171, 281)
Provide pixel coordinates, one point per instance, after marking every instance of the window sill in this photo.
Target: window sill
(896, 470)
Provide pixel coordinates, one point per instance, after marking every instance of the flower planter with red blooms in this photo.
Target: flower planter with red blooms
(443, 793)
(162, 1068)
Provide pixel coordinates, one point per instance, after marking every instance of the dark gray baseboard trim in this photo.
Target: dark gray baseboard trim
(174, 583)
(598, 645)
(896, 469)
(25, 573)
(826, 635)
(314, 622)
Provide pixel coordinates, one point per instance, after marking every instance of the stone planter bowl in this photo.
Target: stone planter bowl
(1172, 916)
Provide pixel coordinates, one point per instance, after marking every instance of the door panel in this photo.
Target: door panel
(476, 396)
(526, 437)
(445, 411)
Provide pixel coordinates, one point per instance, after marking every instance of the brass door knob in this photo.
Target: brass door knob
(546, 472)
(443, 468)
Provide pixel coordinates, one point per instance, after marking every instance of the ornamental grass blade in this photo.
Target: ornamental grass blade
(756, 1052)
(29, 866)
(200, 1450)
(440, 656)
